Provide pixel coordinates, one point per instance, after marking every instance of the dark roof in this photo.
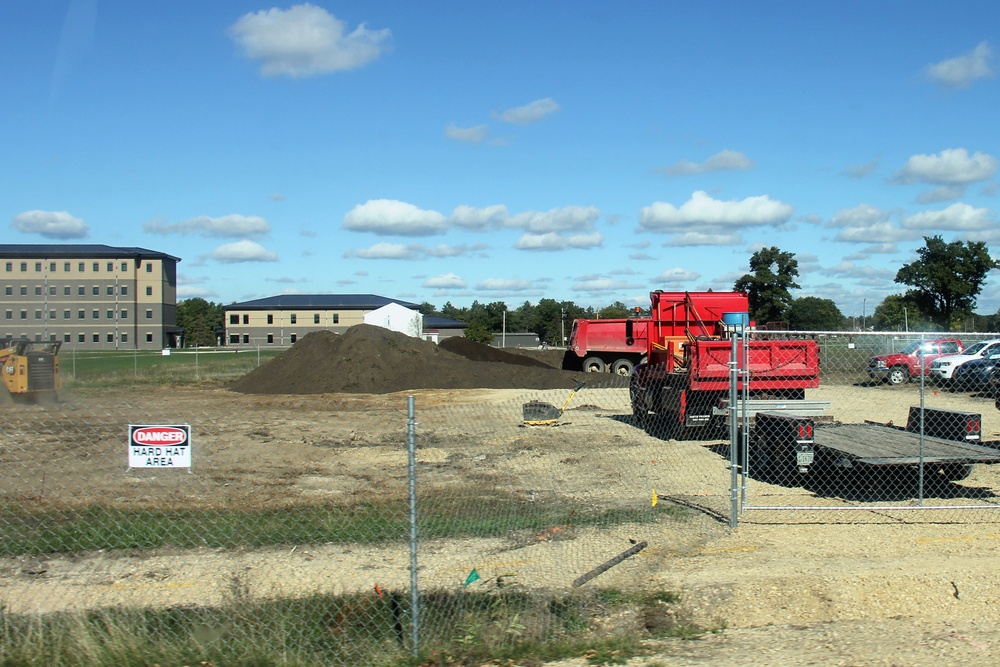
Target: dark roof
(76, 250)
(343, 301)
(433, 322)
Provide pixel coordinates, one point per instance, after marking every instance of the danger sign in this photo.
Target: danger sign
(159, 446)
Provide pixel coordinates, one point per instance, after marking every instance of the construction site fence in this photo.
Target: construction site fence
(350, 535)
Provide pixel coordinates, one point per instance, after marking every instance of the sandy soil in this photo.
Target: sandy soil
(824, 588)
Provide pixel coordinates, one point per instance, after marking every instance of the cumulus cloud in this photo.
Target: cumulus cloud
(481, 219)
(677, 276)
(50, 224)
(867, 224)
(445, 281)
(600, 284)
(385, 217)
(960, 72)
(724, 161)
(415, 251)
(568, 218)
(554, 241)
(957, 217)
(470, 135)
(305, 40)
(530, 113)
(224, 226)
(242, 251)
(952, 166)
(703, 220)
(194, 291)
(504, 285)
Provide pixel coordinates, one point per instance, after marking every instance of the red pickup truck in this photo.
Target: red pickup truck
(899, 367)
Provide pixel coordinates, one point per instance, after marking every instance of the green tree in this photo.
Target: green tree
(810, 313)
(200, 319)
(946, 278)
(479, 332)
(898, 313)
(773, 274)
(615, 310)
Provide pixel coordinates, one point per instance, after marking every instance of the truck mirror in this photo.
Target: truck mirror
(629, 338)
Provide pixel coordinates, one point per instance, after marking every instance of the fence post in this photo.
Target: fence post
(733, 436)
(412, 474)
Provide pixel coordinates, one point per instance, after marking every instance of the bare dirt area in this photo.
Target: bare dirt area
(832, 587)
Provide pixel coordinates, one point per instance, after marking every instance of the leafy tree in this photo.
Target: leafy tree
(811, 313)
(898, 313)
(479, 332)
(947, 278)
(773, 275)
(615, 310)
(200, 319)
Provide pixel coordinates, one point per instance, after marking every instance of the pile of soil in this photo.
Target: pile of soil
(474, 351)
(367, 359)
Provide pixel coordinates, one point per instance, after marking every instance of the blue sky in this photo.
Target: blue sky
(460, 151)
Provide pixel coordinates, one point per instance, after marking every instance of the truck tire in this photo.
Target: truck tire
(622, 367)
(594, 365)
(898, 375)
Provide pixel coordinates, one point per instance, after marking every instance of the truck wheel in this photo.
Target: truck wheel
(594, 365)
(898, 375)
(622, 367)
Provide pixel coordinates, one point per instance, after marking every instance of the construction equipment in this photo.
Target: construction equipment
(540, 413)
(30, 371)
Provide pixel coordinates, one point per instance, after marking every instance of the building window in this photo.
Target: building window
(336, 318)
(52, 314)
(10, 266)
(149, 290)
(38, 267)
(111, 290)
(38, 314)
(149, 338)
(292, 318)
(52, 267)
(270, 318)
(111, 338)
(24, 291)
(65, 314)
(97, 338)
(97, 268)
(81, 269)
(234, 339)
(24, 267)
(81, 339)
(24, 314)
(315, 318)
(111, 314)
(52, 290)
(38, 290)
(149, 314)
(81, 290)
(80, 315)
(270, 338)
(111, 267)
(8, 315)
(124, 268)
(97, 314)
(246, 338)
(66, 291)
(124, 313)
(124, 337)
(8, 290)
(65, 338)
(294, 337)
(246, 319)
(149, 268)
(124, 290)
(97, 290)
(66, 270)
(234, 319)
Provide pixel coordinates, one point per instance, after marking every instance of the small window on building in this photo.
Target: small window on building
(149, 268)
(24, 291)
(96, 338)
(80, 315)
(66, 270)
(111, 290)
(65, 338)
(38, 267)
(246, 338)
(315, 318)
(97, 314)
(65, 314)
(270, 338)
(81, 269)
(124, 267)
(111, 338)
(8, 315)
(234, 339)
(234, 319)
(10, 266)
(24, 314)
(24, 267)
(52, 290)
(149, 314)
(52, 267)
(81, 339)
(124, 290)
(294, 338)
(246, 319)
(292, 318)
(38, 314)
(124, 313)
(149, 338)
(52, 314)
(270, 319)
(336, 318)
(149, 290)
(111, 267)
(8, 290)
(38, 290)
(81, 290)
(97, 268)
(66, 290)
(124, 337)
(111, 314)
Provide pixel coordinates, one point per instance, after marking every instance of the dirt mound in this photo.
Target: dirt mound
(371, 360)
(474, 351)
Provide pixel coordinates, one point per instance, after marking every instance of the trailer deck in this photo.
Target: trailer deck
(878, 445)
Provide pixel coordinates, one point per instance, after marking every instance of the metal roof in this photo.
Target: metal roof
(434, 322)
(322, 301)
(78, 251)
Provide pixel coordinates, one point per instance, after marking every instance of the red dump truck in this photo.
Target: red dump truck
(597, 346)
(686, 379)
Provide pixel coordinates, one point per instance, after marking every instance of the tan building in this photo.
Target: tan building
(282, 320)
(93, 297)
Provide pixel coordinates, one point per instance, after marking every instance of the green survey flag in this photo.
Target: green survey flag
(473, 576)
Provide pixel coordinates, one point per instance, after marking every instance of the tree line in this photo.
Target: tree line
(943, 284)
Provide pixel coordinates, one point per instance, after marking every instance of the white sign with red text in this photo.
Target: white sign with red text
(159, 446)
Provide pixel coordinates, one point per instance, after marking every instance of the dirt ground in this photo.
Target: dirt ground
(809, 587)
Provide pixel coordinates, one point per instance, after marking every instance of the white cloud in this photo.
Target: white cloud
(383, 251)
(677, 276)
(960, 72)
(600, 284)
(952, 166)
(881, 232)
(202, 225)
(702, 238)
(194, 291)
(489, 217)
(863, 215)
(957, 217)
(504, 285)
(470, 135)
(385, 217)
(50, 224)
(242, 251)
(445, 281)
(305, 40)
(860, 170)
(720, 216)
(568, 218)
(724, 161)
(415, 251)
(530, 113)
(555, 241)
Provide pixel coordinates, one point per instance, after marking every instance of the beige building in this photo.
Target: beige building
(282, 320)
(93, 297)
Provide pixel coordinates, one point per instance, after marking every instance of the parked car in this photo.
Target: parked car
(975, 374)
(943, 368)
(912, 361)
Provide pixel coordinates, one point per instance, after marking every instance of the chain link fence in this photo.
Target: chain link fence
(350, 530)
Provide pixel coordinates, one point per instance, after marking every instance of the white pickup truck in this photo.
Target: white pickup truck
(943, 368)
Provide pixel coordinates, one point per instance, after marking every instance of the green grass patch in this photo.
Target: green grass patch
(44, 530)
(99, 369)
(501, 625)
